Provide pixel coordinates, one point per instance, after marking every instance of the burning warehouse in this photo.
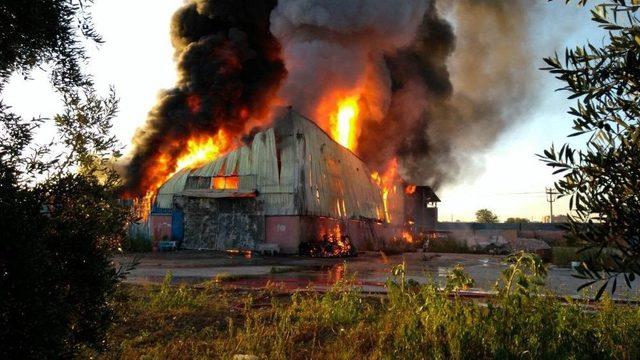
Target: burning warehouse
(291, 185)
(221, 168)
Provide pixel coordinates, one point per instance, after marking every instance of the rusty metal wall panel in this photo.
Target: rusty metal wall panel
(231, 164)
(263, 162)
(244, 167)
(160, 227)
(278, 203)
(337, 183)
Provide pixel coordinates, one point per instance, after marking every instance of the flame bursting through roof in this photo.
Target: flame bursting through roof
(343, 123)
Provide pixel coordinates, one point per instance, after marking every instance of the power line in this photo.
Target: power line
(551, 199)
(541, 193)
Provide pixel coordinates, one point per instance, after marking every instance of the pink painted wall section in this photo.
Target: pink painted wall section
(160, 227)
(289, 231)
(365, 235)
(284, 231)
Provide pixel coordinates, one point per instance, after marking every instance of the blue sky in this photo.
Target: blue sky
(137, 59)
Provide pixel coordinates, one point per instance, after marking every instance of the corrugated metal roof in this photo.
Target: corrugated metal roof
(298, 170)
(337, 183)
(175, 184)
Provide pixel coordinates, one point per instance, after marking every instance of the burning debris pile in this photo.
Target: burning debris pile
(332, 244)
(383, 79)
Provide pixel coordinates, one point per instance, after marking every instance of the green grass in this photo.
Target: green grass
(412, 322)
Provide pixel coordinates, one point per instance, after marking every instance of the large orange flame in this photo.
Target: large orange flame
(343, 122)
(201, 149)
(386, 183)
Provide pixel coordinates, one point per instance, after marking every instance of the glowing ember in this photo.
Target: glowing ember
(343, 123)
(407, 237)
(410, 189)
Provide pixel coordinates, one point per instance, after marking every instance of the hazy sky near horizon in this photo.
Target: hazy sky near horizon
(137, 60)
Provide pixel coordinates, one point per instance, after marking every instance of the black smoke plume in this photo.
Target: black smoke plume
(477, 84)
(229, 70)
(438, 81)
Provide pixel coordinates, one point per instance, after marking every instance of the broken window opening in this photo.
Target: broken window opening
(225, 183)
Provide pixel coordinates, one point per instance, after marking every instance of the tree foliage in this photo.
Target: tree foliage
(58, 236)
(602, 178)
(38, 32)
(486, 216)
(516, 220)
(60, 216)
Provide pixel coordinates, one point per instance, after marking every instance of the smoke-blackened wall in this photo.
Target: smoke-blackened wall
(229, 68)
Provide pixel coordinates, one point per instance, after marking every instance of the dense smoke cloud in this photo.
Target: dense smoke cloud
(436, 81)
(488, 90)
(335, 49)
(433, 96)
(229, 68)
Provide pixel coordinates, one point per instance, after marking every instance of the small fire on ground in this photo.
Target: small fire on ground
(331, 244)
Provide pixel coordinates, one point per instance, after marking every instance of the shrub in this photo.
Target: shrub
(56, 270)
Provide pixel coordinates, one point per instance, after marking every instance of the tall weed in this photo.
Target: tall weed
(413, 321)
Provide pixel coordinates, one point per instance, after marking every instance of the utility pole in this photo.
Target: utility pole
(551, 199)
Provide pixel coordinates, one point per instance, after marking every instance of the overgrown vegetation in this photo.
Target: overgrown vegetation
(413, 322)
(449, 245)
(602, 179)
(60, 215)
(564, 255)
(517, 220)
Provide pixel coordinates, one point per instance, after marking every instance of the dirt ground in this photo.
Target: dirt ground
(370, 270)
